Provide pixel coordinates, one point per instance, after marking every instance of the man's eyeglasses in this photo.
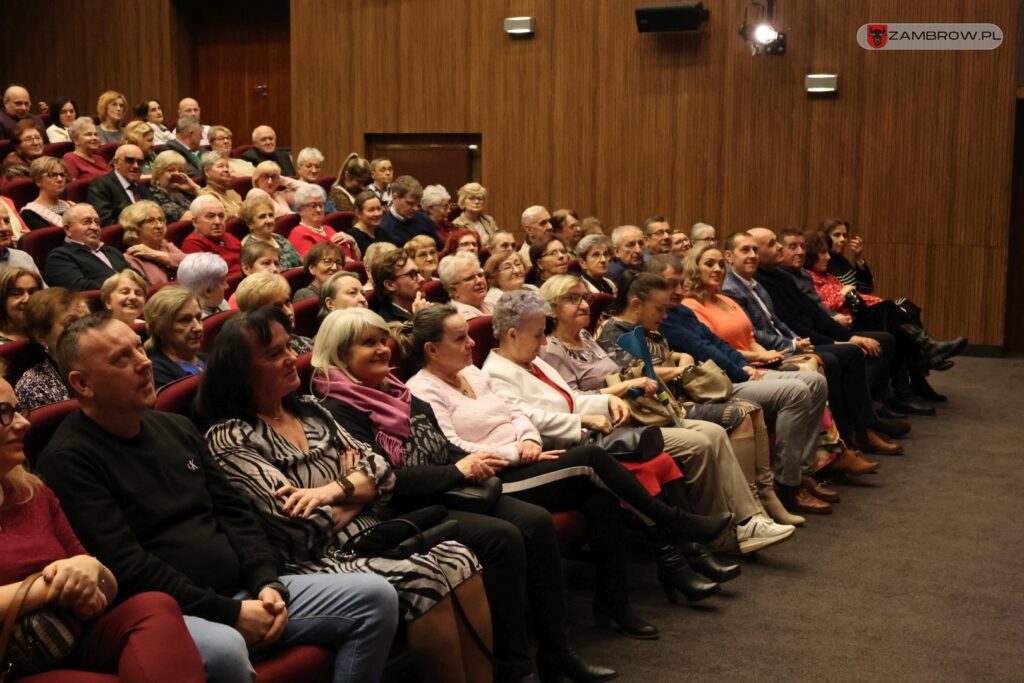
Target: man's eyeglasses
(658, 233)
(479, 275)
(411, 274)
(7, 412)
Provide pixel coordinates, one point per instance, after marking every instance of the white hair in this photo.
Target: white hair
(584, 246)
(531, 215)
(451, 264)
(307, 193)
(514, 307)
(618, 234)
(434, 195)
(698, 229)
(196, 207)
(79, 125)
(309, 154)
(200, 271)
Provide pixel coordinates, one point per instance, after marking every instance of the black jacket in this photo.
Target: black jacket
(191, 167)
(108, 197)
(279, 157)
(75, 267)
(801, 314)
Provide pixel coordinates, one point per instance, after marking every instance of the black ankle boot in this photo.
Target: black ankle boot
(707, 564)
(689, 527)
(675, 574)
(552, 667)
(616, 612)
(931, 355)
(924, 390)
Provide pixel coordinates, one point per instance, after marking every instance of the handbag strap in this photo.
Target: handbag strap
(14, 611)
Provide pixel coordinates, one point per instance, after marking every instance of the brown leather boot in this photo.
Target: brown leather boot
(798, 499)
(819, 490)
(872, 442)
(849, 462)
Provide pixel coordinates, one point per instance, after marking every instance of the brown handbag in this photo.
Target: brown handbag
(647, 410)
(39, 641)
(705, 382)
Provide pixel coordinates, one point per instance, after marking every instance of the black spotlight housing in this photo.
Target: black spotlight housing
(682, 16)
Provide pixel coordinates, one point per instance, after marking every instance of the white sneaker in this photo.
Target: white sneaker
(760, 532)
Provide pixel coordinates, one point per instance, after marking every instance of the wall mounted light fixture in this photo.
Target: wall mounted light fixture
(759, 31)
(519, 26)
(820, 83)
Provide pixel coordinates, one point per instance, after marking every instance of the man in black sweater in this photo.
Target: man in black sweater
(143, 494)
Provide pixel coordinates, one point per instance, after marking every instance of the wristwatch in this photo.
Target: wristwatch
(279, 587)
(347, 486)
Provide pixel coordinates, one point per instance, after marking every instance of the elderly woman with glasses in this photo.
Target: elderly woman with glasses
(321, 261)
(217, 171)
(146, 249)
(549, 257)
(84, 162)
(463, 240)
(466, 283)
(281, 189)
(171, 186)
(220, 141)
(505, 273)
(258, 215)
(311, 230)
(51, 176)
(595, 253)
(28, 146)
(472, 199)
(424, 252)
(435, 203)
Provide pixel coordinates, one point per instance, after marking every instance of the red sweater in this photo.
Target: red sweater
(33, 535)
(303, 238)
(229, 249)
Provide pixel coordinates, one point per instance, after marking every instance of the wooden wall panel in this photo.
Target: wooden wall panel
(915, 150)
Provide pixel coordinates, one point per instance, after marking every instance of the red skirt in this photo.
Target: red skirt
(657, 471)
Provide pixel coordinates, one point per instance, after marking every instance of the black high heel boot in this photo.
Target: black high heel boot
(617, 613)
(675, 574)
(686, 526)
(552, 667)
(707, 564)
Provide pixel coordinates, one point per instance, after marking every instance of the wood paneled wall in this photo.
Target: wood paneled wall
(915, 150)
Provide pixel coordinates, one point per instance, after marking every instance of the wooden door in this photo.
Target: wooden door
(448, 159)
(242, 58)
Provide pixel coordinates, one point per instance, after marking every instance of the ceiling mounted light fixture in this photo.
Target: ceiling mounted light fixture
(758, 29)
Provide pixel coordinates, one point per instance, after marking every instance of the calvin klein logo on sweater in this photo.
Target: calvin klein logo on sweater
(192, 466)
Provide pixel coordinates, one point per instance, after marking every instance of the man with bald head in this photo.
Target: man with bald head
(189, 107)
(17, 106)
(536, 221)
(628, 242)
(83, 261)
(120, 188)
(264, 148)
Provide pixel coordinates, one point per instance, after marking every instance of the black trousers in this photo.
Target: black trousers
(848, 393)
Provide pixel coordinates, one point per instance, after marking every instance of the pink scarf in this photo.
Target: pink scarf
(389, 408)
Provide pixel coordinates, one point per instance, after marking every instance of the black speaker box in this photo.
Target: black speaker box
(685, 16)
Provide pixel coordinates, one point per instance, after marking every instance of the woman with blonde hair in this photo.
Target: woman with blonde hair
(424, 253)
(110, 110)
(51, 176)
(271, 289)
(472, 199)
(267, 178)
(124, 295)
(353, 177)
(139, 133)
(146, 248)
(174, 326)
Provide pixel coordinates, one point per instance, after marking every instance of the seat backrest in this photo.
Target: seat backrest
(19, 356)
(45, 421)
(93, 298)
(356, 268)
(153, 289)
(435, 292)
(40, 242)
(482, 333)
(340, 221)
(297, 278)
(237, 227)
(240, 150)
(178, 231)
(21, 191)
(306, 322)
(303, 365)
(241, 184)
(212, 325)
(326, 182)
(108, 150)
(177, 396)
(113, 236)
(78, 190)
(58, 149)
(601, 301)
(401, 366)
(233, 282)
(284, 224)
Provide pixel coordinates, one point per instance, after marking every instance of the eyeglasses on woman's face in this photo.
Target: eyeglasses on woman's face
(577, 299)
(7, 412)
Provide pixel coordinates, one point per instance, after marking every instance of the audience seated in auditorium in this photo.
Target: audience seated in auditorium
(628, 242)
(321, 261)
(204, 275)
(379, 410)
(124, 295)
(17, 106)
(267, 179)
(794, 405)
(701, 234)
(715, 482)
(63, 113)
(51, 176)
(264, 148)
(311, 230)
(381, 175)
(111, 108)
(397, 281)
(466, 283)
(271, 289)
(111, 193)
(187, 141)
(369, 213)
(17, 285)
(257, 213)
(208, 219)
(146, 250)
(82, 262)
(171, 187)
(472, 200)
(435, 203)
(174, 329)
(536, 221)
(188, 106)
(141, 638)
(353, 176)
(152, 112)
(565, 224)
(9, 256)
(403, 220)
(705, 270)
(505, 273)
(47, 314)
(657, 236)
(194, 536)
(28, 146)
(84, 161)
(501, 243)
(595, 254)
(221, 141)
(549, 257)
(680, 243)
(463, 240)
(341, 290)
(217, 173)
(424, 252)
(139, 133)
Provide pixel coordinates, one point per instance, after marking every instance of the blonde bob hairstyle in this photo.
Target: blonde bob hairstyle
(135, 132)
(338, 332)
(557, 286)
(260, 289)
(107, 99)
(160, 312)
(164, 160)
(110, 284)
(471, 189)
(132, 217)
(692, 286)
(264, 168)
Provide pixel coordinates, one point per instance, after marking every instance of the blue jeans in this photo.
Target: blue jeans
(354, 614)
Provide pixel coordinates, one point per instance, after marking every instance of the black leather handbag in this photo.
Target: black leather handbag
(480, 497)
(629, 444)
(397, 539)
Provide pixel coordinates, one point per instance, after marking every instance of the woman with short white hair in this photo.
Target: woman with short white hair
(84, 162)
(435, 202)
(472, 198)
(466, 283)
(307, 167)
(204, 275)
(310, 204)
(281, 189)
(171, 187)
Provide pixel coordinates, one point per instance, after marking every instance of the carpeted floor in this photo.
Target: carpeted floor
(917, 576)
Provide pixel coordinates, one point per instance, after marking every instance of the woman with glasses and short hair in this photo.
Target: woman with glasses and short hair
(466, 283)
(28, 146)
(51, 176)
(146, 248)
(549, 257)
(321, 262)
(310, 205)
(505, 273)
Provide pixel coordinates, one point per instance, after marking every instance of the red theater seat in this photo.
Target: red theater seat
(284, 224)
(58, 149)
(178, 231)
(326, 181)
(18, 356)
(233, 281)
(21, 191)
(341, 221)
(481, 332)
(297, 278)
(306, 322)
(601, 301)
(307, 663)
(107, 151)
(177, 397)
(241, 184)
(356, 268)
(237, 227)
(40, 242)
(113, 236)
(434, 291)
(45, 421)
(78, 190)
(212, 325)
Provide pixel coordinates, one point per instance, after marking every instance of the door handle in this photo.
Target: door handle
(261, 89)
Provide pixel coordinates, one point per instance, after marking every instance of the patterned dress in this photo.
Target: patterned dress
(40, 386)
(259, 461)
